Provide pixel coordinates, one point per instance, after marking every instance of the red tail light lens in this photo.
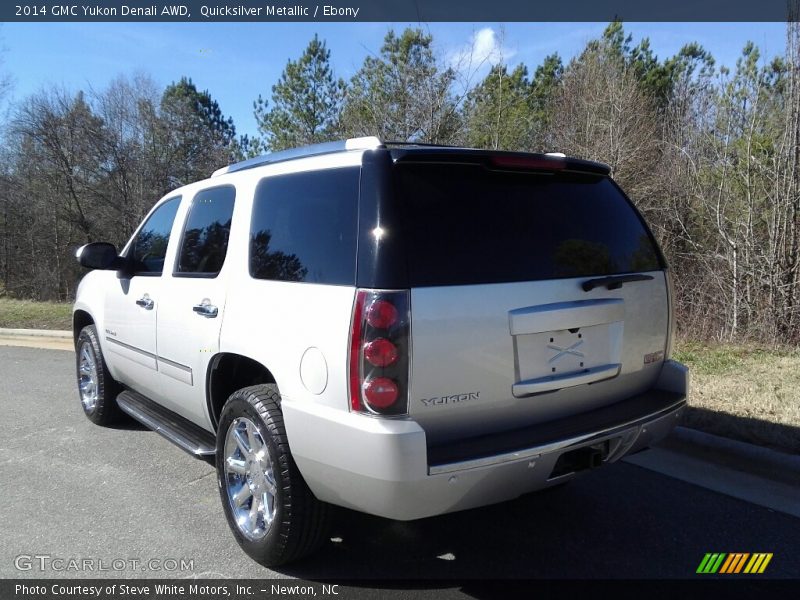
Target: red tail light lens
(356, 329)
(380, 352)
(381, 392)
(381, 314)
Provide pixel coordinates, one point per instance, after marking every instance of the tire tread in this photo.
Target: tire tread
(304, 519)
(107, 411)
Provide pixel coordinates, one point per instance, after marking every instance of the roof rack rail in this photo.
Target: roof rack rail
(361, 143)
(421, 144)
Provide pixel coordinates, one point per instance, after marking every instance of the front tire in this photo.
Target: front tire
(272, 513)
(97, 389)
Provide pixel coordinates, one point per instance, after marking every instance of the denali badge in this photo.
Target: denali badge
(450, 399)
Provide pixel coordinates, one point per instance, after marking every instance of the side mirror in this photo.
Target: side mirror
(99, 255)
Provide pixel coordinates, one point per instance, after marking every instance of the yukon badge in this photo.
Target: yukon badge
(450, 399)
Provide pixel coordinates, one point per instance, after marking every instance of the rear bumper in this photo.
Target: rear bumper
(384, 467)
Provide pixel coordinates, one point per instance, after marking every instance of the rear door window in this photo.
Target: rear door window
(304, 227)
(469, 225)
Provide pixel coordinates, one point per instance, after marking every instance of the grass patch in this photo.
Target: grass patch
(718, 359)
(748, 393)
(26, 314)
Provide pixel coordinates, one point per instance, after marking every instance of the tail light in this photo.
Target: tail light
(671, 318)
(380, 352)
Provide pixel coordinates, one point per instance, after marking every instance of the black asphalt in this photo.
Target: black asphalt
(71, 489)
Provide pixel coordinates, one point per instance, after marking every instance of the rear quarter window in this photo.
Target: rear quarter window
(304, 227)
(466, 224)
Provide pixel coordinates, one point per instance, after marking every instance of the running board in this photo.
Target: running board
(178, 430)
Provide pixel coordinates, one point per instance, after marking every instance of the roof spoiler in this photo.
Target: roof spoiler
(499, 160)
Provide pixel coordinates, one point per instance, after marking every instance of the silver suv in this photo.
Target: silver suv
(400, 329)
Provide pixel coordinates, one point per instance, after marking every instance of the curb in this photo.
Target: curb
(34, 333)
(741, 456)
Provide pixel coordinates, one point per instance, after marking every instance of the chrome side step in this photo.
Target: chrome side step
(178, 430)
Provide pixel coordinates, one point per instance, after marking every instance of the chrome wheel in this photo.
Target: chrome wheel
(249, 479)
(87, 377)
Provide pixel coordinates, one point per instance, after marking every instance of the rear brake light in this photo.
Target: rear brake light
(380, 352)
(547, 163)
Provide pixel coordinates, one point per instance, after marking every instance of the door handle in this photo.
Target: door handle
(206, 309)
(145, 302)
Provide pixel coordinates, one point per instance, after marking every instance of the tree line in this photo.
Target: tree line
(710, 154)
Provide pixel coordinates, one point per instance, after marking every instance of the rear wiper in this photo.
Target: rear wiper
(614, 282)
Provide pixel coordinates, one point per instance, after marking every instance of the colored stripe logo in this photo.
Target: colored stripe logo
(734, 562)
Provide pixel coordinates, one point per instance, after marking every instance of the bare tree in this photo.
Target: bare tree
(601, 113)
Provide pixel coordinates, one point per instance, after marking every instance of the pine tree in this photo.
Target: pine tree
(403, 94)
(499, 111)
(306, 102)
(198, 135)
(544, 86)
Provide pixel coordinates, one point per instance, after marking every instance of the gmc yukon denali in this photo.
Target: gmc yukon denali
(400, 329)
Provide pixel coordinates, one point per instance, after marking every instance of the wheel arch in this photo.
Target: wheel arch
(228, 372)
(80, 319)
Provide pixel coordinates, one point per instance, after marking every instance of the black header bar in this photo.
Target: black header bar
(402, 11)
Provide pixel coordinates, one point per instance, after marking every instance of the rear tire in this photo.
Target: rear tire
(272, 513)
(96, 388)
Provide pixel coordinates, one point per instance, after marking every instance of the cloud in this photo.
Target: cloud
(484, 48)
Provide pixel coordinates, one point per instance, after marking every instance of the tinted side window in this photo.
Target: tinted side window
(469, 225)
(205, 236)
(150, 244)
(304, 227)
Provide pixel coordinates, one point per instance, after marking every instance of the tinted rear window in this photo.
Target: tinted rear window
(469, 225)
(304, 227)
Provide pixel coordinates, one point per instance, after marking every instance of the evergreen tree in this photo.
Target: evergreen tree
(544, 86)
(199, 137)
(499, 111)
(306, 102)
(403, 94)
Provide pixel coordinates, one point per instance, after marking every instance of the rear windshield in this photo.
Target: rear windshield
(469, 225)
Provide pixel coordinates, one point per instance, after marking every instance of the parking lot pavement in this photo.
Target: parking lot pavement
(71, 489)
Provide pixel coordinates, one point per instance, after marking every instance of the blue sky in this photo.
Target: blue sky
(236, 61)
